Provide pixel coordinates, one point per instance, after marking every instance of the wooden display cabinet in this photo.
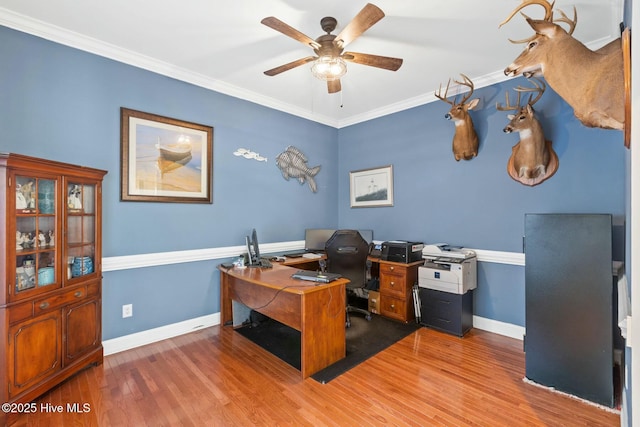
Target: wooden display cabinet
(51, 297)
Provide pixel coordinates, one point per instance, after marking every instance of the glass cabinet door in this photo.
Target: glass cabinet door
(80, 241)
(35, 233)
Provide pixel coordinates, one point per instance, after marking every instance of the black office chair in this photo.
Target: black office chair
(347, 255)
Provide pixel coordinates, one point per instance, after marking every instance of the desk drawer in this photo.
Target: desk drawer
(394, 308)
(393, 283)
(395, 270)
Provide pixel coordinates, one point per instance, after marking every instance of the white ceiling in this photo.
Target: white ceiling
(222, 45)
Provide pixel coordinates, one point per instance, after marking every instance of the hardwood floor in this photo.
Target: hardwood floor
(216, 377)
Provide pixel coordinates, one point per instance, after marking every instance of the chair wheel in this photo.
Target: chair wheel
(348, 323)
(368, 317)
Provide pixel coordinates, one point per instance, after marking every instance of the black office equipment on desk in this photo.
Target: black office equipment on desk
(375, 250)
(401, 251)
(295, 254)
(253, 252)
(315, 276)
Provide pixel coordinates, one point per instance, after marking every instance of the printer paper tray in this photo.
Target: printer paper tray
(438, 275)
(439, 285)
(440, 280)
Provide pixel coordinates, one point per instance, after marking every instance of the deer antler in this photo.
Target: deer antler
(571, 22)
(444, 98)
(509, 107)
(548, 16)
(548, 9)
(467, 82)
(539, 88)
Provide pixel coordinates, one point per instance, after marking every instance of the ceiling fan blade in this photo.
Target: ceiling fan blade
(278, 25)
(385, 62)
(290, 65)
(334, 86)
(369, 15)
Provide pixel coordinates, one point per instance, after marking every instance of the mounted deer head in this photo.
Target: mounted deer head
(465, 139)
(533, 159)
(590, 82)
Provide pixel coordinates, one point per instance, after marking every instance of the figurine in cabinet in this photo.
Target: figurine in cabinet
(73, 200)
(27, 191)
(18, 240)
(27, 240)
(21, 202)
(42, 240)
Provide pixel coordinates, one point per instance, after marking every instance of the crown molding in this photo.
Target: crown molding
(75, 40)
(483, 81)
(79, 41)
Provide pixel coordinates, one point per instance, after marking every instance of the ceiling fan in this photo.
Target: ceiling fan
(329, 64)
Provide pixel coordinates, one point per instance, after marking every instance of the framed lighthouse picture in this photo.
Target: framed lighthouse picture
(371, 187)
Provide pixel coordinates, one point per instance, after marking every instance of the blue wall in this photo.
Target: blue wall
(64, 104)
(60, 103)
(476, 203)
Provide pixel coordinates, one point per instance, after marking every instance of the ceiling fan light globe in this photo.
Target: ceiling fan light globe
(328, 68)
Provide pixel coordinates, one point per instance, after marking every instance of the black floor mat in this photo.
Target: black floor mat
(276, 338)
(364, 339)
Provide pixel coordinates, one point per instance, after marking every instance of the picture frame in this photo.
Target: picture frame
(371, 187)
(164, 159)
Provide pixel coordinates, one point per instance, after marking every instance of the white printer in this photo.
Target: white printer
(448, 269)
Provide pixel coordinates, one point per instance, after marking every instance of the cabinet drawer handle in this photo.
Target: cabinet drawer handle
(444, 302)
(44, 305)
(393, 306)
(392, 268)
(392, 283)
(78, 294)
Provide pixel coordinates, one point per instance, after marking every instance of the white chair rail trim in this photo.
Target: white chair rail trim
(126, 262)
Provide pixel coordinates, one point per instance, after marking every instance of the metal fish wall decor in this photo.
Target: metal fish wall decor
(293, 163)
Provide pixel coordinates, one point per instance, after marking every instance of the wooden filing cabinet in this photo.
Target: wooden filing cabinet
(396, 289)
(447, 312)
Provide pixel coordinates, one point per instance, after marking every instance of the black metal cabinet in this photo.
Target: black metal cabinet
(569, 304)
(445, 311)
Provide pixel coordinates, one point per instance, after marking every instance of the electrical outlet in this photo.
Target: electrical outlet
(127, 310)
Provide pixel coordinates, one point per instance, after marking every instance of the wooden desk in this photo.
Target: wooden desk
(396, 284)
(396, 288)
(302, 263)
(316, 310)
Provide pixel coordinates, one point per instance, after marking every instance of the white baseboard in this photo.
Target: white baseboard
(500, 328)
(128, 342)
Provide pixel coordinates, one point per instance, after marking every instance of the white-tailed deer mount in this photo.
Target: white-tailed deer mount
(465, 139)
(533, 159)
(592, 83)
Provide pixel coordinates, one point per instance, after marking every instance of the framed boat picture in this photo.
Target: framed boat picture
(164, 159)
